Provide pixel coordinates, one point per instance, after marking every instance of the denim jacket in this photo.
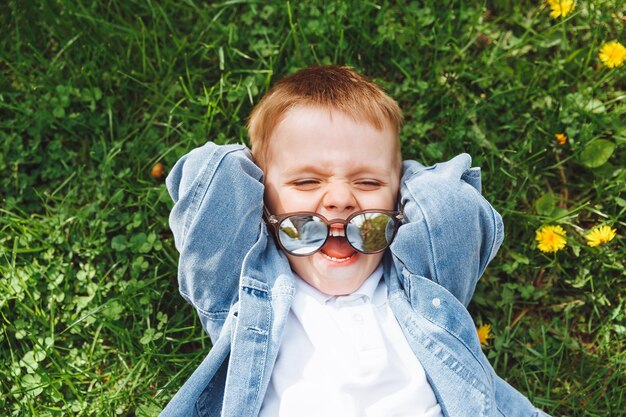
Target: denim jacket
(240, 283)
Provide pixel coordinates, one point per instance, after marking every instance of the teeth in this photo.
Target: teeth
(337, 232)
(336, 259)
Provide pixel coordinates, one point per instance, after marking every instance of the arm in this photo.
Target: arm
(218, 201)
(452, 232)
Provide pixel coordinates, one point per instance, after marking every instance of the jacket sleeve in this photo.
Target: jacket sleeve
(511, 403)
(216, 219)
(450, 232)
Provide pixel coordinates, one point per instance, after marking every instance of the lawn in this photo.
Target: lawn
(99, 99)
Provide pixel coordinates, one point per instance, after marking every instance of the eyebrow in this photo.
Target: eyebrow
(304, 169)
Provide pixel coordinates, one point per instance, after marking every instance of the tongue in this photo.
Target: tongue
(337, 247)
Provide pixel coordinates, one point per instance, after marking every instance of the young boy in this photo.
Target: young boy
(332, 278)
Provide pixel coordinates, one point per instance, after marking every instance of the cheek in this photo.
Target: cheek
(271, 197)
(393, 195)
(286, 200)
(299, 201)
(384, 201)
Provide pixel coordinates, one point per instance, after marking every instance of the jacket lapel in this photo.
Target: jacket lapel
(431, 320)
(265, 296)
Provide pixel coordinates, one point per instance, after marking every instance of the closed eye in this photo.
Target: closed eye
(306, 184)
(369, 184)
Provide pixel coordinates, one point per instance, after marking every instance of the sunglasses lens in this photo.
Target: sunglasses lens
(302, 234)
(371, 232)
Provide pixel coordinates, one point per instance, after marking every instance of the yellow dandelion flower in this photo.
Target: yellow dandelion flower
(484, 334)
(612, 54)
(561, 138)
(561, 8)
(600, 235)
(551, 238)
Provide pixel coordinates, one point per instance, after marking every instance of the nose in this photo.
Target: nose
(339, 199)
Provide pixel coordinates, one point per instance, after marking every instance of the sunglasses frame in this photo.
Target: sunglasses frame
(274, 220)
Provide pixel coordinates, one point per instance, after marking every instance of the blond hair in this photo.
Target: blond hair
(333, 87)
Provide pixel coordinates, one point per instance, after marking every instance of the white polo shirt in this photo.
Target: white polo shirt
(346, 356)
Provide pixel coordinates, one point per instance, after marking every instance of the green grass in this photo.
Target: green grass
(93, 94)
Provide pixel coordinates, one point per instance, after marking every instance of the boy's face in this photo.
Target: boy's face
(323, 161)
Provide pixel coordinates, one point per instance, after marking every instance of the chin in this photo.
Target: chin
(335, 278)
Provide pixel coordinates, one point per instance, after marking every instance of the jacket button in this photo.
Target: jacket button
(436, 302)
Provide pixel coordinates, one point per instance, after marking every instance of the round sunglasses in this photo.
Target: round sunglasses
(303, 233)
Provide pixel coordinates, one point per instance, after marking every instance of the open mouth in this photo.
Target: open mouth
(337, 248)
(332, 258)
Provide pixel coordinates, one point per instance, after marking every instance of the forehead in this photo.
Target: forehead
(328, 138)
